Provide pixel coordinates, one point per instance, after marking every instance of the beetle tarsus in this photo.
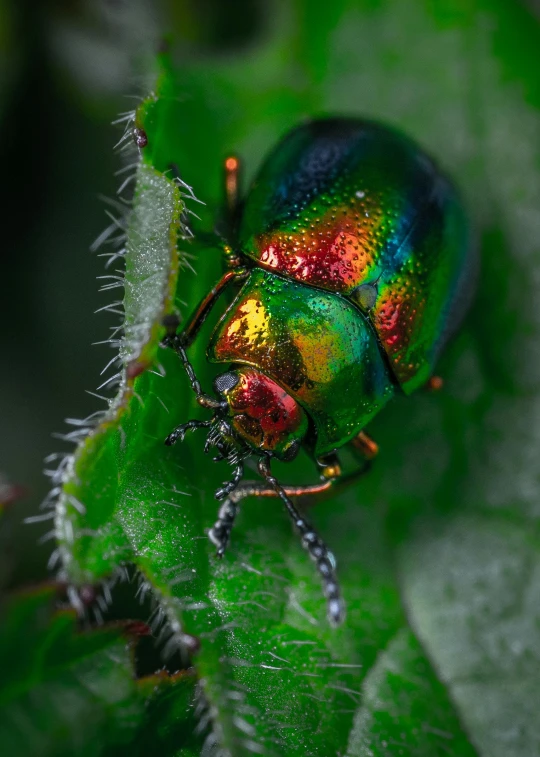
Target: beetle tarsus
(230, 486)
(316, 548)
(330, 467)
(220, 533)
(179, 432)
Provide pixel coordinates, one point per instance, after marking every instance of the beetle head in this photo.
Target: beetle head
(261, 413)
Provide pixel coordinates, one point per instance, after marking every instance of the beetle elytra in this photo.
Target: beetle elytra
(353, 254)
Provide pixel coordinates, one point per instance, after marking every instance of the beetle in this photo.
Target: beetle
(354, 256)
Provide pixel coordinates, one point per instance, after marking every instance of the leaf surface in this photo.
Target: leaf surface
(438, 547)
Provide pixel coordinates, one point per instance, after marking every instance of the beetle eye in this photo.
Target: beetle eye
(225, 382)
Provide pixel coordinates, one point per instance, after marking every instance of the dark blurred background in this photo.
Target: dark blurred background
(67, 70)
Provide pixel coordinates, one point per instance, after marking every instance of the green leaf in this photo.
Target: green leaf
(393, 714)
(438, 547)
(68, 693)
(59, 688)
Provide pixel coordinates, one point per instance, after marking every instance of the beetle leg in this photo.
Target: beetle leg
(229, 486)
(330, 466)
(434, 384)
(192, 327)
(220, 533)
(316, 548)
(367, 446)
(180, 431)
(232, 168)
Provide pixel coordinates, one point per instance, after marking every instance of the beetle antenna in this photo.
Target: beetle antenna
(175, 342)
(318, 551)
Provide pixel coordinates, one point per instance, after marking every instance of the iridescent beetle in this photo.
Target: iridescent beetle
(356, 266)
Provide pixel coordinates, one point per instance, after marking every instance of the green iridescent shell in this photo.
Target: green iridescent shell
(315, 344)
(356, 208)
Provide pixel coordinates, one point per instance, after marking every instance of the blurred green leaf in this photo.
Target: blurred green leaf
(63, 692)
(438, 548)
(96, 48)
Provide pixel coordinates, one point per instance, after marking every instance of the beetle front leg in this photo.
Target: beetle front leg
(180, 431)
(230, 486)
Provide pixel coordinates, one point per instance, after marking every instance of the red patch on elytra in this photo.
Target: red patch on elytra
(335, 255)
